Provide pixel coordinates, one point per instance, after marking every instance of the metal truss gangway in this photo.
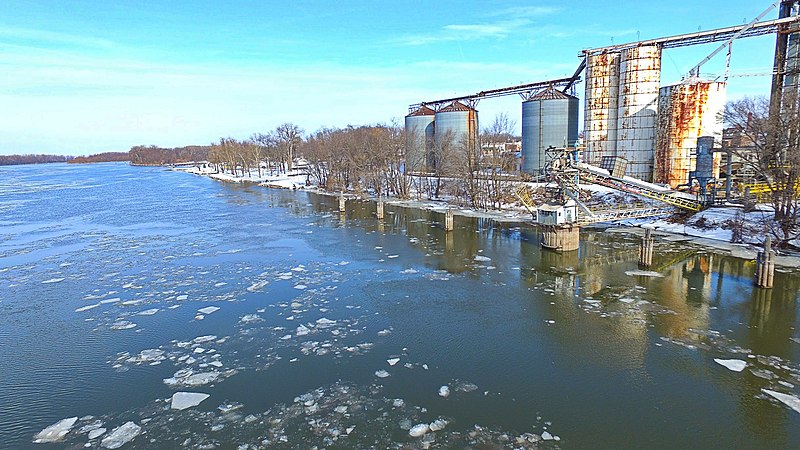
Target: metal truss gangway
(523, 90)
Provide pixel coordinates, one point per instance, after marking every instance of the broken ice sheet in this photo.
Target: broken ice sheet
(788, 400)
(208, 310)
(735, 365)
(184, 400)
(55, 432)
(121, 435)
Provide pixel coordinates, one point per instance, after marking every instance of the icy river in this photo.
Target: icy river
(145, 308)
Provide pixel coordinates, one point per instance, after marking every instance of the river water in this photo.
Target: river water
(341, 331)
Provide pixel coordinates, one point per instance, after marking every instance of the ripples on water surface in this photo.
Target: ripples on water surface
(341, 331)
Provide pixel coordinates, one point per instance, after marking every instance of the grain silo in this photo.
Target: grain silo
(419, 139)
(687, 111)
(455, 138)
(600, 109)
(549, 118)
(639, 82)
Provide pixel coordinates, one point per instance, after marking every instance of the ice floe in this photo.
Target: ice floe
(788, 400)
(121, 435)
(736, 365)
(55, 432)
(208, 310)
(184, 400)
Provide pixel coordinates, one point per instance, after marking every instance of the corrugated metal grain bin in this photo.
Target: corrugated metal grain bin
(600, 107)
(639, 82)
(688, 111)
(549, 118)
(419, 139)
(456, 135)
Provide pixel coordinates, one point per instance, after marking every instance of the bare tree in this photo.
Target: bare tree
(775, 158)
(289, 137)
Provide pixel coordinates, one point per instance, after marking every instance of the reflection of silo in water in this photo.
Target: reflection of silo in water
(419, 138)
(639, 81)
(600, 109)
(456, 134)
(687, 111)
(549, 118)
(675, 293)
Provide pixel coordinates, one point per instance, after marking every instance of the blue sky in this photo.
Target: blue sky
(81, 77)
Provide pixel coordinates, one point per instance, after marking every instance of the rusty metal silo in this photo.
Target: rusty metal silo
(600, 108)
(687, 111)
(639, 82)
(455, 137)
(419, 139)
(549, 118)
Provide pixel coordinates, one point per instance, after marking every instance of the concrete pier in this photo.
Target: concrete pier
(646, 249)
(562, 238)
(342, 202)
(448, 220)
(765, 266)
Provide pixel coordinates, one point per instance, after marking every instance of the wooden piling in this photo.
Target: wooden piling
(448, 220)
(342, 202)
(765, 266)
(646, 249)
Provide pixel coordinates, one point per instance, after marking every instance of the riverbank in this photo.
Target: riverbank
(710, 228)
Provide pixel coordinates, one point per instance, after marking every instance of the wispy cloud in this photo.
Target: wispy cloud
(503, 23)
(45, 38)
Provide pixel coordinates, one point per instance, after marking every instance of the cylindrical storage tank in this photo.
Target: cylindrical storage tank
(687, 111)
(419, 139)
(639, 82)
(455, 138)
(704, 155)
(549, 118)
(600, 108)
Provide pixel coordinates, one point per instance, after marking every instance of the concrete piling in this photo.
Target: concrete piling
(448, 220)
(379, 210)
(646, 249)
(342, 202)
(765, 265)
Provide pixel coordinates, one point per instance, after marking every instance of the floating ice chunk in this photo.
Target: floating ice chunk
(96, 433)
(220, 284)
(299, 268)
(643, 273)
(148, 312)
(392, 256)
(481, 258)
(130, 302)
(121, 435)
(409, 271)
(627, 300)
(302, 330)
(110, 300)
(384, 333)
(250, 318)
(55, 432)
(325, 322)
(418, 430)
(398, 403)
(300, 286)
(393, 361)
(183, 400)
(340, 409)
(200, 379)
(122, 325)
(87, 307)
(788, 400)
(208, 310)
(257, 286)
(444, 391)
(53, 280)
(181, 297)
(547, 436)
(736, 365)
(437, 425)
(381, 373)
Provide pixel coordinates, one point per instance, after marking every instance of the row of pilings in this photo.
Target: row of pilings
(379, 214)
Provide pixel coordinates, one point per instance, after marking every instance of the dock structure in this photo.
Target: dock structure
(448, 220)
